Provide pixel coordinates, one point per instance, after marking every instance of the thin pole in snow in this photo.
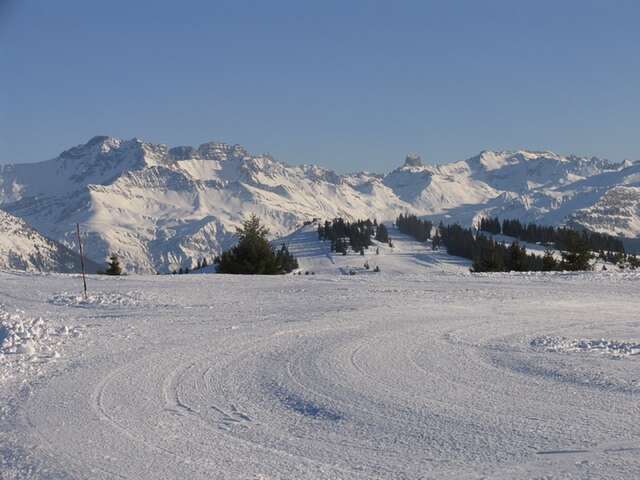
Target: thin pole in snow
(84, 280)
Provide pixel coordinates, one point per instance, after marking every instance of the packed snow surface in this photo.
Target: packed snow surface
(437, 374)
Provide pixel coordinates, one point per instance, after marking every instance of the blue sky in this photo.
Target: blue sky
(347, 84)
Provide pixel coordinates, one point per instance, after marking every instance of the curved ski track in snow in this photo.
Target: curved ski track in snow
(429, 376)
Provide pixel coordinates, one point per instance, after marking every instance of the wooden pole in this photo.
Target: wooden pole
(84, 280)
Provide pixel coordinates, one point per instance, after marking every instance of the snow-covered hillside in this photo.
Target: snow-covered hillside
(406, 256)
(23, 248)
(368, 377)
(160, 208)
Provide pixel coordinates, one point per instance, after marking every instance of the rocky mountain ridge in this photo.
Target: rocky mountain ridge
(160, 208)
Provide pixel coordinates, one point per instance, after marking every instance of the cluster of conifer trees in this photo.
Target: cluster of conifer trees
(621, 259)
(491, 256)
(382, 233)
(561, 237)
(412, 225)
(202, 263)
(343, 235)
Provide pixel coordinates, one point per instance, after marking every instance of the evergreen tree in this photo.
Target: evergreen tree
(488, 258)
(490, 225)
(382, 233)
(286, 260)
(253, 255)
(412, 225)
(517, 258)
(113, 266)
(577, 256)
(549, 262)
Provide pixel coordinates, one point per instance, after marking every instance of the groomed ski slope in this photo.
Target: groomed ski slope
(407, 256)
(388, 376)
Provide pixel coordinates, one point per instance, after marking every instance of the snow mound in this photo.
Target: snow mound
(127, 299)
(602, 346)
(30, 336)
(27, 343)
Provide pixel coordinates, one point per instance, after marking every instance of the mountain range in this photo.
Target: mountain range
(161, 208)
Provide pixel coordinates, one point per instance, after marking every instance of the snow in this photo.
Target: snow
(602, 346)
(23, 248)
(405, 257)
(420, 371)
(161, 209)
(97, 298)
(28, 343)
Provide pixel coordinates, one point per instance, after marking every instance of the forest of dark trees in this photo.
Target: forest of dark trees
(382, 233)
(577, 248)
(356, 235)
(491, 256)
(561, 237)
(412, 225)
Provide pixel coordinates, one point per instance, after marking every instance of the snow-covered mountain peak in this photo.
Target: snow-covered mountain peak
(489, 160)
(98, 144)
(161, 208)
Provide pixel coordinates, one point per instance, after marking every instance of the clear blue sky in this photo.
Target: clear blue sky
(347, 84)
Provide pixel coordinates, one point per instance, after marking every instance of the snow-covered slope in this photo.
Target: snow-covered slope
(325, 377)
(406, 256)
(23, 248)
(160, 208)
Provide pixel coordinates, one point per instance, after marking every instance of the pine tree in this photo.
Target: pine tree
(254, 255)
(286, 260)
(113, 266)
(577, 256)
(382, 233)
(549, 262)
(517, 258)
